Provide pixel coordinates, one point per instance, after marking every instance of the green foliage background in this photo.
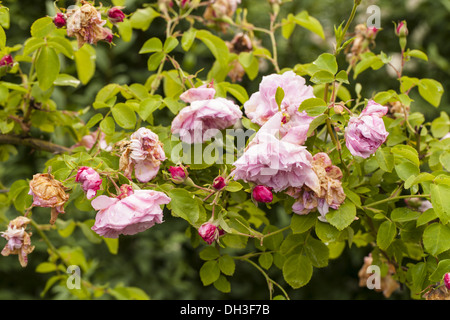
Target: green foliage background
(162, 261)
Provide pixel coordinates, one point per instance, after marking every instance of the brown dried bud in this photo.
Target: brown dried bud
(48, 192)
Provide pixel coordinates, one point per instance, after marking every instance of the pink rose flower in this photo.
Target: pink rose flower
(202, 119)
(89, 140)
(177, 174)
(272, 160)
(146, 153)
(90, 181)
(208, 232)
(447, 280)
(262, 104)
(19, 241)
(204, 92)
(366, 133)
(262, 193)
(130, 213)
(6, 61)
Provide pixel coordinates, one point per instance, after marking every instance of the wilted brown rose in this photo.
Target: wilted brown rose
(387, 283)
(48, 192)
(19, 241)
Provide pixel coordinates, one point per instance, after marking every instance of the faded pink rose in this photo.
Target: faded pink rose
(90, 181)
(88, 141)
(146, 154)
(204, 92)
(272, 160)
(262, 193)
(19, 241)
(208, 232)
(86, 24)
(366, 133)
(132, 212)
(202, 119)
(262, 105)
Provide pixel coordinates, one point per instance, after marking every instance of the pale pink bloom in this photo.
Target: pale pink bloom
(90, 181)
(202, 119)
(146, 154)
(366, 133)
(262, 105)
(204, 92)
(130, 213)
(272, 160)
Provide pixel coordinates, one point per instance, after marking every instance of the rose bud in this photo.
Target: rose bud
(208, 232)
(90, 181)
(60, 20)
(6, 61)
(401, 30)
(219, 183)
(115, 15)
(178, 174)
(262, 194)
(447, 280)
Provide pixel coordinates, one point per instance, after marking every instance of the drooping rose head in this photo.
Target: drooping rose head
(115, 15)
(262, 193)
(202, 119)
(209, 232)
(90, 181)
(129, 213)
(366, 133)
(48, 192)
(60, 20)
(262, 105)
(19, 241)
(86, 24)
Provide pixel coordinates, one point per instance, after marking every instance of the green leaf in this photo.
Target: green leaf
(46, 267)
(297, 270)
(342, 217)
(148, 106)
(85, 59)
(151, 45)
(184, 205)
(313, 106)
(386, 234)
(440, 126)
(302, 223)
(47, 67)
(442, 268)
(170, 44)
(237, 91)
(42, 27)
(327, 62)
(216, 45)
(222, 284)
(188, 39)
(88, 232)
(227, 265)
(66, 80)
(265, 260)
(209, 272)
(422, 177)
(406, 152)
(417, 54)
(112, 244)
(312, 24)
(142, 18)
(436, 238)
(431, 90)
(124, 116)
(326, 232)
(385, 159)
(440, 199)
(369, 61)
(108, 126)
(209, 253)
(94, 120)
(65, 227)
(317, 252)
(155, 60)
(418, 275)
(279, 96)
(322, 76)
(342, 76)
(404, 214)
(406, 169)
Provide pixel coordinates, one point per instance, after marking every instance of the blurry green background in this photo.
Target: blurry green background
(162, 260)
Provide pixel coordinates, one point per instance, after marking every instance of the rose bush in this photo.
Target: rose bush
(346, 170)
